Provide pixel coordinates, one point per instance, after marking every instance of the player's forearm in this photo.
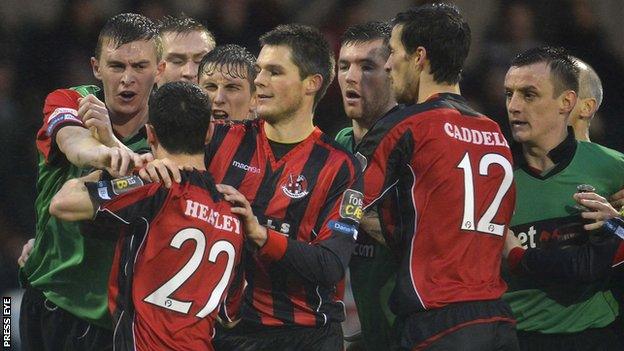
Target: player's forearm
(323, 264)
(72, 201)
(582, 264)
(80, 147)
(372, 226)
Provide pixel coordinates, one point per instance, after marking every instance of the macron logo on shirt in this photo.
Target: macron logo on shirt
(245, 167)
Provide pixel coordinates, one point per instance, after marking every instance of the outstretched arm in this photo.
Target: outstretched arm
(72, 202)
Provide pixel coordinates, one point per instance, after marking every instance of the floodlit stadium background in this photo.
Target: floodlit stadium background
(46, 44)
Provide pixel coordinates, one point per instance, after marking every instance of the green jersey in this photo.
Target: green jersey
(69, 264)
(372, 270)
(547, 216)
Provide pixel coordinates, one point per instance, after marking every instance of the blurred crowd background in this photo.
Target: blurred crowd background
(46, 44)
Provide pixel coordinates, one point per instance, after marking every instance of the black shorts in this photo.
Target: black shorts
(603, 339)
(45, 326)
(246, 337)
(467, 326)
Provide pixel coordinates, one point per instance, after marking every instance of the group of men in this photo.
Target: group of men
(237, 235)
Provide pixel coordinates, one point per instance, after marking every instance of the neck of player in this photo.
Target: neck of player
(361, 126)
(290, 129)
(581, 130)
(427, 87)
(536, 153)
(127, 126)
(183, 160)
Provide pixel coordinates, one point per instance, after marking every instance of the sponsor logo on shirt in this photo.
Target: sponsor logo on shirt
(362, 250)
(60, 115)
(63, 111)
(245, 167)
(351, 205)
(103, 194)
(295, 186)
(343, 228)
(125, 184)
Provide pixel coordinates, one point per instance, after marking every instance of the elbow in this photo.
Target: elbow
(333, 273)
(61, 204)
(58, 209)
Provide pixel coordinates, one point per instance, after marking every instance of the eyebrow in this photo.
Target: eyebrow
(272, 66)
(176, 55)
(365, 60)
(142, 62)
(524, 88)
(115, 62)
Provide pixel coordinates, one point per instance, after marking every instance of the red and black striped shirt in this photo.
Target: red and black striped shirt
(310, 201)
(179, 251)
(448, 172)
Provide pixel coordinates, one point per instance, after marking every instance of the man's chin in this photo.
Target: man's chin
(123, 112)
(353, 113)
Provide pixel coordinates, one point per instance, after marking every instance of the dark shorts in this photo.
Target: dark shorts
(603, 339)
(45, 326)
(246, 337)
(467, 326)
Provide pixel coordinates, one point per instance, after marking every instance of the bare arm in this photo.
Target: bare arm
(72, 202)
(372, 226)
(83, 150)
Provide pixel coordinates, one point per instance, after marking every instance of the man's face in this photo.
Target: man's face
(403, 70)
(231, 96)
(364, 83)
(535, 114)
(182, 53)
(279, 88)
(127, 73)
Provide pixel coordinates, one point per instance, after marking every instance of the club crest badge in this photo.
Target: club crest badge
(295, 186)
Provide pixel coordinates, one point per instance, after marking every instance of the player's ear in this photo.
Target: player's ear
(210, 131)
(419, 56)
(588, 107)
(152, 138)
(253, 103)
(95, 65)
(567, 100)
(313, 84)
(160, 68)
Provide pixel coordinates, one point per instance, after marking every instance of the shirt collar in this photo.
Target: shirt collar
(561, 155)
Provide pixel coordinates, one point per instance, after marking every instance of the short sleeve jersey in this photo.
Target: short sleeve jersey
(177, 254)
(66, 254)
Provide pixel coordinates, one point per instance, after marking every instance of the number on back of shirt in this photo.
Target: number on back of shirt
(484, 225)
(162, 296)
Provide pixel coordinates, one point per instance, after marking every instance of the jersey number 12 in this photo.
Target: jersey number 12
(484, 225)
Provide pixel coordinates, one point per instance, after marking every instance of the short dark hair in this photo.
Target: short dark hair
(230, 59)
(563, 71)
(180, 114)
(126, 28)
(443, 32)
(183, 24)
(310, 52)
(367, 32)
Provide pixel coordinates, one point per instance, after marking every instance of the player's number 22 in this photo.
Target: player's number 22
(161, 296)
